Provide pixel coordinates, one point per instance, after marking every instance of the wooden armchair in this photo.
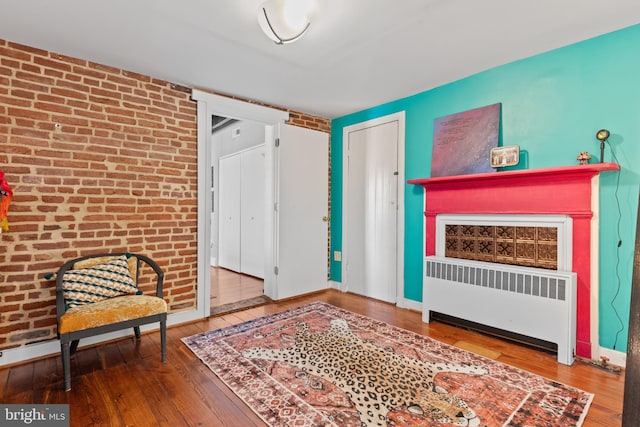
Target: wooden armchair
(97, 294)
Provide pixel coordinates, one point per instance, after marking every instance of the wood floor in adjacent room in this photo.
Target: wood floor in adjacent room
(229, 287)
(123, 383)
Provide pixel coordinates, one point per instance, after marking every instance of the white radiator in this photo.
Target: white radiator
(533, 302)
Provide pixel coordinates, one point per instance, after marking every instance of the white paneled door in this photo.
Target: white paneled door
(229, 213)
(371, 211)
(301, 211)
(252, 215)
(242, 212)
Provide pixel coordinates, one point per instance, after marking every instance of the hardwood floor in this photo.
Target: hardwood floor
(124, 383)
(229, 287)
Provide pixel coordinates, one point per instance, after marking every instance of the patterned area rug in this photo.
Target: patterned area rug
(319, 365)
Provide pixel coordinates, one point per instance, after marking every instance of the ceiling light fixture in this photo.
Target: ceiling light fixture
(285, 21)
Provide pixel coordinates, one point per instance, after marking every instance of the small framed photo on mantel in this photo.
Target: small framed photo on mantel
(505, 156)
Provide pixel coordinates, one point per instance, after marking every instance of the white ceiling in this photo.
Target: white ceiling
(356, 54)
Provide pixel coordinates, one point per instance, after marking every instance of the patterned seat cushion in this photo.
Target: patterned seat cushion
(98, 282)
(110, 311)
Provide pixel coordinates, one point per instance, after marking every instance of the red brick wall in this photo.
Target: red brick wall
(311, 122)
(99, 159)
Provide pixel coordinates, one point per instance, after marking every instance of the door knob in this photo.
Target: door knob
(325, 218)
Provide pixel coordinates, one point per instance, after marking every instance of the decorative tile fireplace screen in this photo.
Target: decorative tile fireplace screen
(515, 245)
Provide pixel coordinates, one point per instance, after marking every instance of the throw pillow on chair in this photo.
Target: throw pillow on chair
(97, 294)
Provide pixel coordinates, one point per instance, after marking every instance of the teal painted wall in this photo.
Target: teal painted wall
(552, 106)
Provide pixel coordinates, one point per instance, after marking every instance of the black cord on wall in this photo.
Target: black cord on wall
(618, 279)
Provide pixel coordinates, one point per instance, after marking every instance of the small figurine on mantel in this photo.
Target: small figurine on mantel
(584, 157)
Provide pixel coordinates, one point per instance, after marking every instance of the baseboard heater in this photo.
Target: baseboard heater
(531, 302)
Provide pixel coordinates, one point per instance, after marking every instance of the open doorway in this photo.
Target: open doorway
(296, 177)
(238, 196)
(231, 291)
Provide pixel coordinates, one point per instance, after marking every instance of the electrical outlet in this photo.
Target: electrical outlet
(337, 256)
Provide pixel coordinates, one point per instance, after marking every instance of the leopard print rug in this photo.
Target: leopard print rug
(319, 365)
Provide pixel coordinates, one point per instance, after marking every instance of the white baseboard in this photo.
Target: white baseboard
(400, 303)
(617, 358)
(409, 304)
(334, 285)
(47, 348)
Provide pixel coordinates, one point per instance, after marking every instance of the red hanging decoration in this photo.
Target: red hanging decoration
(6, 194)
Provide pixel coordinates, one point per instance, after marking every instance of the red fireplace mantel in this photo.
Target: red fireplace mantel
(563, 190)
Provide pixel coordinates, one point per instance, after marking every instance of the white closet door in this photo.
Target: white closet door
(372, 214)
(229, 213)
(252, 202)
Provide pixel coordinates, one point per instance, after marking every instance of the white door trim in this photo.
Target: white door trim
(395, 117)
(208, 105)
